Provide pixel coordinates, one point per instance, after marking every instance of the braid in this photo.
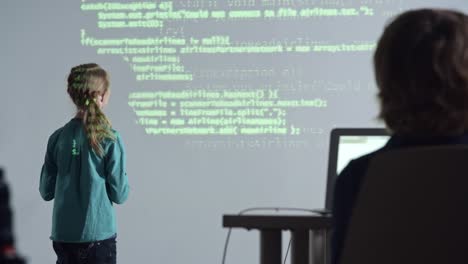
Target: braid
(97, 127)
(85, 83)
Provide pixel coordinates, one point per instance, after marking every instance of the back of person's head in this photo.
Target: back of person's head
(88, 84)
(421, 69)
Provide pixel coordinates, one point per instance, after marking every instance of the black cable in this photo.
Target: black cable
(226, 245)
(287, 251)
(228, 236)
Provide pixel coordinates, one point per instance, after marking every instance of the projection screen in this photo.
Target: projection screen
(222, 106)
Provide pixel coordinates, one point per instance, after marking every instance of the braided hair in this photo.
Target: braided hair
(86, 83)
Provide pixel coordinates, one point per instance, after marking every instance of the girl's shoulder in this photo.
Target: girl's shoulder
(117, 139)
(113, 147)
(70, 129)
(55, 135)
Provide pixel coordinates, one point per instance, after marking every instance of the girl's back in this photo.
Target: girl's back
(84, 170)
(85, 184)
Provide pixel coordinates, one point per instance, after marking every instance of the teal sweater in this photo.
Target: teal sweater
(83, 184)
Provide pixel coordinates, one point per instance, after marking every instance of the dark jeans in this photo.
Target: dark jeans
(99, 252)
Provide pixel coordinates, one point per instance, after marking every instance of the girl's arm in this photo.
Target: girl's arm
(49, 171)
(116, 174)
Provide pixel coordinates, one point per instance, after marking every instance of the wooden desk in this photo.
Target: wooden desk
(309, 236)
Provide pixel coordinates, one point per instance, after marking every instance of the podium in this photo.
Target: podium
(309, 235)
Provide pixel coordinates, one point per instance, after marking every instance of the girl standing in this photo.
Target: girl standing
(84, 172)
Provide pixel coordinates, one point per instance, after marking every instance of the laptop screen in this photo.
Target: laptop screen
(352, 147)
(347, 144)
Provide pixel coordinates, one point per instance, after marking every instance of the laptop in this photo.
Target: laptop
(347, 144)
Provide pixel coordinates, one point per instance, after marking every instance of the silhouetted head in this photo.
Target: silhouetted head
(421, 69)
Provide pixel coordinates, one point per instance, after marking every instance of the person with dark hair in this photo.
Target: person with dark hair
(7, 244)
(421, 70)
